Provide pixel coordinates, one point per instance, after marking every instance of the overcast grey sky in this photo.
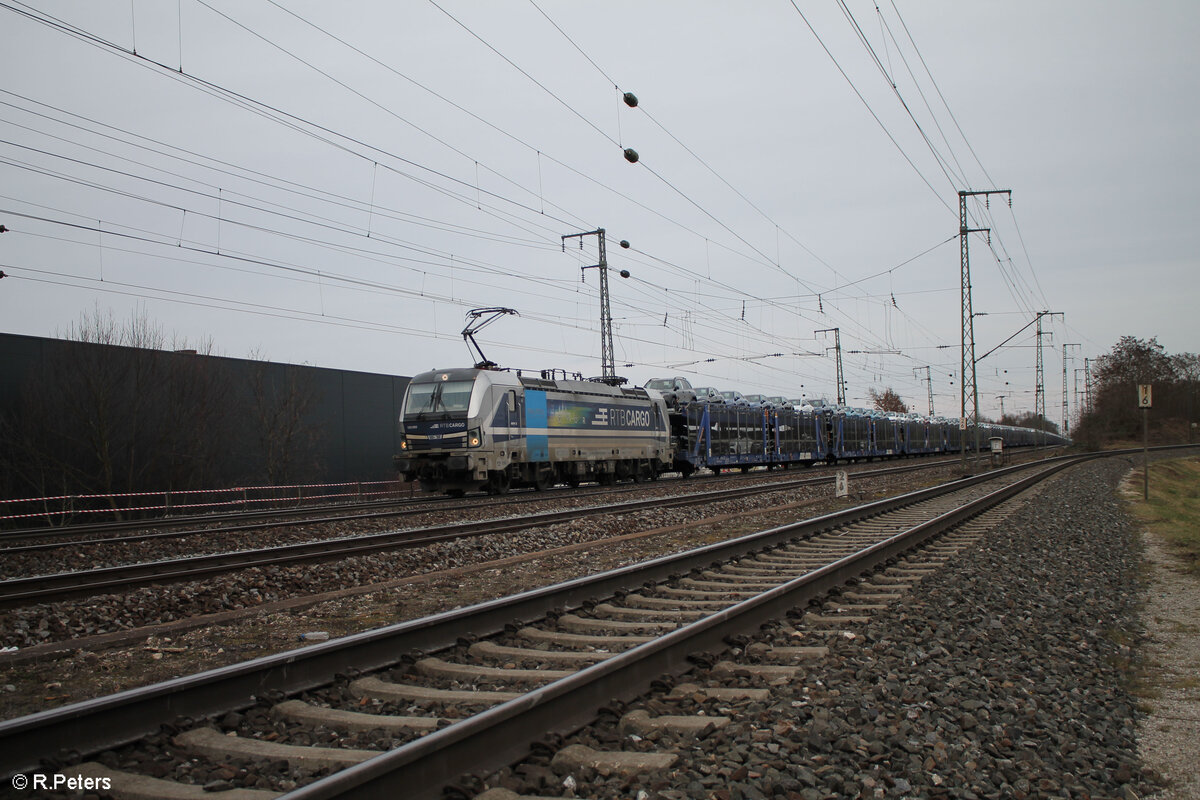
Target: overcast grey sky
(338, 184)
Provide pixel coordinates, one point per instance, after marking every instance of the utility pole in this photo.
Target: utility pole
(968, 318)
(928, 384)
(1039, 389)
(1079, 408)
(1087, 385)
(608, 369)
(837, 346)
(1039, 386)
(1066, 408)
(1001, 397)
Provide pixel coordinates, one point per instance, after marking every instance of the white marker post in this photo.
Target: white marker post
(842, 483)
(1144, 403)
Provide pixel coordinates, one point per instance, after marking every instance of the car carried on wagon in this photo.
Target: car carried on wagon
(676, 392)
(707, 394)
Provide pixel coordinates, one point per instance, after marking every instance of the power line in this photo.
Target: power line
(299, 124)
(940, 95)
(768, 302)
(258, 107)
(870, 110)
(291, 187)
(862, 37)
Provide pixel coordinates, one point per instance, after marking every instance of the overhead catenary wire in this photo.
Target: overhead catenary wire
(763, 256)
(227, 168)
(295, 122)
(765, 332)
(300, 124)
(871, 111)
(766, 298)
(699, 159)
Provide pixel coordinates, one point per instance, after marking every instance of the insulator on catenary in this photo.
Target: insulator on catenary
(630, 99)
(631, 155)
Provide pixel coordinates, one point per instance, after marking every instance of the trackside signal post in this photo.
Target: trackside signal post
(1144, 403)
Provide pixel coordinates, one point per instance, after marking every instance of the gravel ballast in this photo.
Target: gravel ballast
(248, 588)
(1002, 676)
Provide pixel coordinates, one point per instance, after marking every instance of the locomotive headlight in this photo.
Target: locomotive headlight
(473, 438)
(403, 443)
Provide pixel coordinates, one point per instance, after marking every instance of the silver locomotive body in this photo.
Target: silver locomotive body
(469, 429)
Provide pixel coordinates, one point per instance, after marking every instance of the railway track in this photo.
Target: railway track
(539, 662)
(65, 585)
(29, 540)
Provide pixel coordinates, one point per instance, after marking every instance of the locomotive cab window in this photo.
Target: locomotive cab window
(438, 397)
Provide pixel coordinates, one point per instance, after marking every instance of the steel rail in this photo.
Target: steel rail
(246, 520)
(501, 735)
(64, 585)
(117, 719)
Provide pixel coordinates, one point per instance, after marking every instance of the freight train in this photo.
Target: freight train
(467, 430)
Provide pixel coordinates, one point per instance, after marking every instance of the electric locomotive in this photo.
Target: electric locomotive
(470, 429)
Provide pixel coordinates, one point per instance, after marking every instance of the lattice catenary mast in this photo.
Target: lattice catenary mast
(968, 382)
(837, 346)
(608, 368)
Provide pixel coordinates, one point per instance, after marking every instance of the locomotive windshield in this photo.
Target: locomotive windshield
(438, 397)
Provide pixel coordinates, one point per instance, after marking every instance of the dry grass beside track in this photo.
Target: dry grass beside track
(1166, 681)
(1174, 509)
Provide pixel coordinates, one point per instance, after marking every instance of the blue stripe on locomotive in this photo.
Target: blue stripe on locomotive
(535, 425)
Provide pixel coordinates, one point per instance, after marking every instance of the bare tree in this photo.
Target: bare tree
(1114, 414)
(888, 400)
(1029, 419)
(110, 411)
(281, 400)
(1133, 361)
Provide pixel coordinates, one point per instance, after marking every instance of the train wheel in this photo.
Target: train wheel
(542, 480)
(497, 482)
(455, 492)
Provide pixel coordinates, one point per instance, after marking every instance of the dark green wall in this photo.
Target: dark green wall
(353, 414)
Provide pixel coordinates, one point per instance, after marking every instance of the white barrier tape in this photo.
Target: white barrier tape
(178, 492)
(284, 500)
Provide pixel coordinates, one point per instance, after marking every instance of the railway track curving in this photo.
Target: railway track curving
(525, 663)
